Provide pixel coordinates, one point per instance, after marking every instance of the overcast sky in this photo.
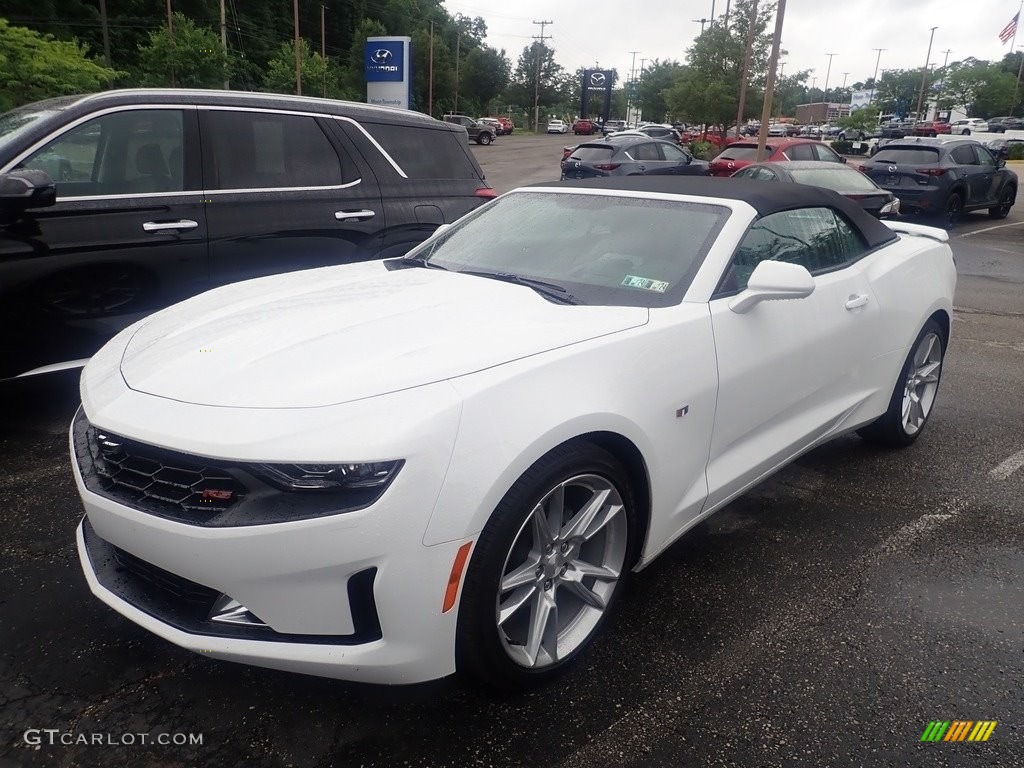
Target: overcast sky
(586, 32)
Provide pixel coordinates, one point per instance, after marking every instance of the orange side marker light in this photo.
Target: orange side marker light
(452, 591)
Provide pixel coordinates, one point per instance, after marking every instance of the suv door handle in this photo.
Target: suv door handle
(856, 301)
(353, 215)
(167, 226)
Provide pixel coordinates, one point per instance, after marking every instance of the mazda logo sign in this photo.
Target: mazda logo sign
(597, 78)
(381, 56)
(892, 169)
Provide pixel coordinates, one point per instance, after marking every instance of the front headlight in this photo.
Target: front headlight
(891, 208)
(311, 477)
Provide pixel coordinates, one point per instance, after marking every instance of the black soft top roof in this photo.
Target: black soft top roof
(763, 198)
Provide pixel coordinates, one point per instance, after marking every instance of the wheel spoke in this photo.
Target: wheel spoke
(928, 369)
(524, 574)
(591, 518)
(586, 594)
(518, 599)
(542, 611)
(917, 413)
(541, 530)
(583, 568)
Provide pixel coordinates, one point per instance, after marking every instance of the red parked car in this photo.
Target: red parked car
(585, 127)
(507, 124)
(742, 153)
(931, 129)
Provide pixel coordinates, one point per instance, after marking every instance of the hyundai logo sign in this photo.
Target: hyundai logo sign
(597, 78)
(384, 61)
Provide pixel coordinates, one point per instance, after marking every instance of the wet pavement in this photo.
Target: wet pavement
(821, 620)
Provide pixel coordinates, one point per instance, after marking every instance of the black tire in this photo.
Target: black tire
(1002, 209)
(953, 211)
(888, 429)
(483, 138)
(480, 647)
(965, 132)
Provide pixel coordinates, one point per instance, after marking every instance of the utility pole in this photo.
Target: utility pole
(430, 74)
(170, 33)
(639, 101)
(536, 78)
(632, 78)
(298, 51)
(845, 75)
(874, 79)
(106, 31)
(828, 72)
(224, 43)
(938, 97)
(458, 45)
(769, 86)
(1016, 88)
(924, 78)
(702, 22)
(746, 67)
(323, 42)
(727, 2)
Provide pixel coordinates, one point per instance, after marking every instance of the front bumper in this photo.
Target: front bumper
(356, 595)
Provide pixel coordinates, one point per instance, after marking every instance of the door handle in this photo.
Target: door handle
(856, 301)
(353, 215)
(167, 226)
(642, 168)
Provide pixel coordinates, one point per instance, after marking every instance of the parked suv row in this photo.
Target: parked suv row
(143, 219)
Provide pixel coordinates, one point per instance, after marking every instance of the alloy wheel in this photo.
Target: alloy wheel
(922, 383)
(561, 571)
(954, 208)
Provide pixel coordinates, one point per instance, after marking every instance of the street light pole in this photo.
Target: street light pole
(924, 78)
(938, 98)
(828, 72)
(874, 79)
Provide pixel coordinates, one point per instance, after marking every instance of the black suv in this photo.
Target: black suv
(1004, 124)
(944, 177)
(161, 194)
(479, 131)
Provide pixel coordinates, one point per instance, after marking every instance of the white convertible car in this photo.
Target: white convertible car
(391, 470)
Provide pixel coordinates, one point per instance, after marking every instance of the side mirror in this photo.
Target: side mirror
(440, 228)
(842, 159)
(1001, 163)
(26, 188)
(773, 281)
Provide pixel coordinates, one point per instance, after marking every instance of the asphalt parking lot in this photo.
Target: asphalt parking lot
(822, 620)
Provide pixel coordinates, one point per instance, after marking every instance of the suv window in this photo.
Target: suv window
(265, 150)
(984, 156)
(424, 153)
(674, 153)
(964, 155)
(816, 238)
(122, 153)
(800, 152)
(645, 152)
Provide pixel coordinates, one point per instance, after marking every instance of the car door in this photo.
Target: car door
(977, 179)
(790, 371)
(648, 158)
(677, 162)
(992, 180)
(285, 195)
(127, 236)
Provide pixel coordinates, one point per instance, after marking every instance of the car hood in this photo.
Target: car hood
(333, 335)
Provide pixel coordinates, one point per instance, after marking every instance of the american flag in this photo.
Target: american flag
(1010, 29)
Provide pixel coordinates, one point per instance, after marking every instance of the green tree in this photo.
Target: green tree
(863, 119)
(898, 90)
(35, 66)
(194, 58)
(707, 91)
(652, 85)
(552, 83)
(319, 77)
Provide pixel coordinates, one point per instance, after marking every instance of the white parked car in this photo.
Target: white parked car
(968, 126)
(385, 471)
(557, 126)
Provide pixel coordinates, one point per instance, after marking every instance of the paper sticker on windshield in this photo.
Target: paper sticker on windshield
(645, 283)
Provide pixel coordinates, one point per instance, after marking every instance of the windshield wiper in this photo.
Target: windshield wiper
(550, 290)
(419, 261)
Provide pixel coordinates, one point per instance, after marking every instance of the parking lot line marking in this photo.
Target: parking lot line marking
(1008, 467)
(989, 229)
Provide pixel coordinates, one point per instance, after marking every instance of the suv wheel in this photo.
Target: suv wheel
(954, 210)
(1002, 209)
(484, 138)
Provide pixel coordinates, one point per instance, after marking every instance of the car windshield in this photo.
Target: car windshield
(15, 122)
(604, 249)
(907, 155)
(840, 179)
(741, 153)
